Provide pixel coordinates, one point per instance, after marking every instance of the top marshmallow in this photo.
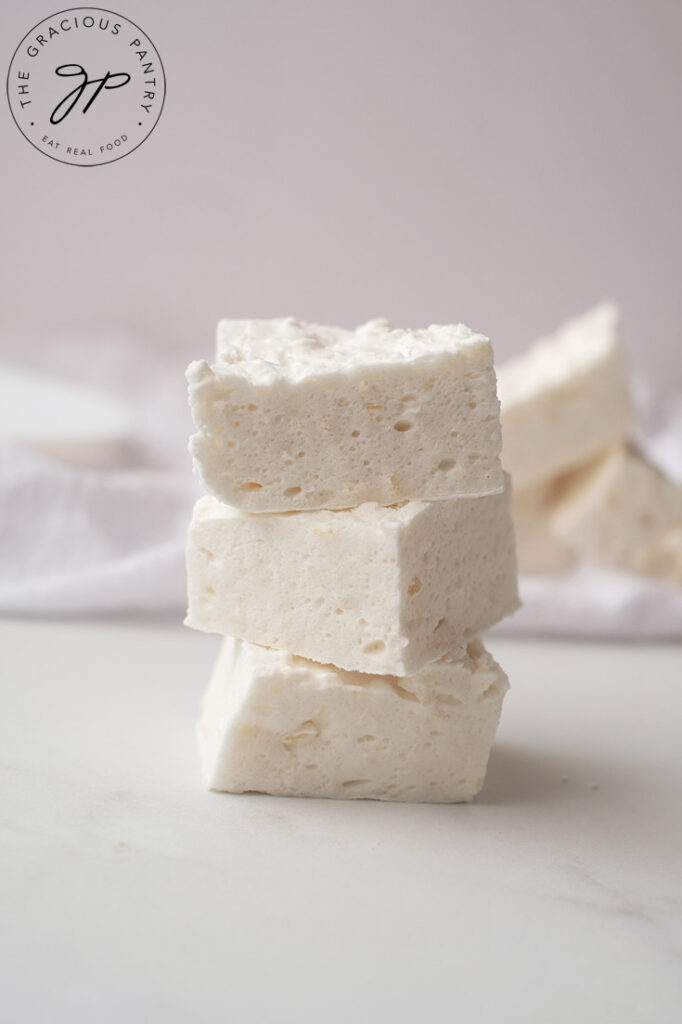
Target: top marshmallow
(565, 399)
(297, 416)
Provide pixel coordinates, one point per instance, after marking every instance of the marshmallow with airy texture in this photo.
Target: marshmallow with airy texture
(278, 724)
(538, 548)
(301, 416)
(372, 589)
(622, 511)
(565, 399)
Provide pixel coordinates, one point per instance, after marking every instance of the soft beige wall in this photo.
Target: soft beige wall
(504, 163)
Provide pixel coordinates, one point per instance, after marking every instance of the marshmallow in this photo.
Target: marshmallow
(565, 399)
(279, 724)
(538, 549)
(622, 511)
(298, 416)
(372, 589)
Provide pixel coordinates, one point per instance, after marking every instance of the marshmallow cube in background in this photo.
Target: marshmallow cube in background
(580, 490)
(297, 416)
(538, 548)
(279, 724)
(64, 419)
(371, 589)
(565, 399)
(622, 511)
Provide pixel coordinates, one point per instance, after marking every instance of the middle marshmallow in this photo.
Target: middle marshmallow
(370, 589)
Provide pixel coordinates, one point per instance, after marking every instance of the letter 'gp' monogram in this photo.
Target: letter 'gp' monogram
(65, 107)
(86, 86)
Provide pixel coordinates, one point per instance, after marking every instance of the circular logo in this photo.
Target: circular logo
(86, 86)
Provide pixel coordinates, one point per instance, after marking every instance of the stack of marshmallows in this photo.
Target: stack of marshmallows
(357, 540)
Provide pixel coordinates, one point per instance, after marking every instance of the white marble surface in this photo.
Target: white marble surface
(130, 894)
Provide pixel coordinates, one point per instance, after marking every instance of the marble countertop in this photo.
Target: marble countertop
(131, 894)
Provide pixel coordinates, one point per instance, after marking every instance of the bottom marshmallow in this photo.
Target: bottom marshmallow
(275, 723)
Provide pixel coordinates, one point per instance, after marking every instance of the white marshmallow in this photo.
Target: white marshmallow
(538, 549)
(372, 589)
(565, 399)
(299, 416)
(279, 724)
(622, 511)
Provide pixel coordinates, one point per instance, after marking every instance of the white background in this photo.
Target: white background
(504, 164)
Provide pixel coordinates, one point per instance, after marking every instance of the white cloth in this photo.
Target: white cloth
(82, 540)
(594, 601)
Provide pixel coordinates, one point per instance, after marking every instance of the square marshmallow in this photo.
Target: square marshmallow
(538, 548)
(372, 589)
(622, 511)
(278, 724)
(565, 399)
(300, 416)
